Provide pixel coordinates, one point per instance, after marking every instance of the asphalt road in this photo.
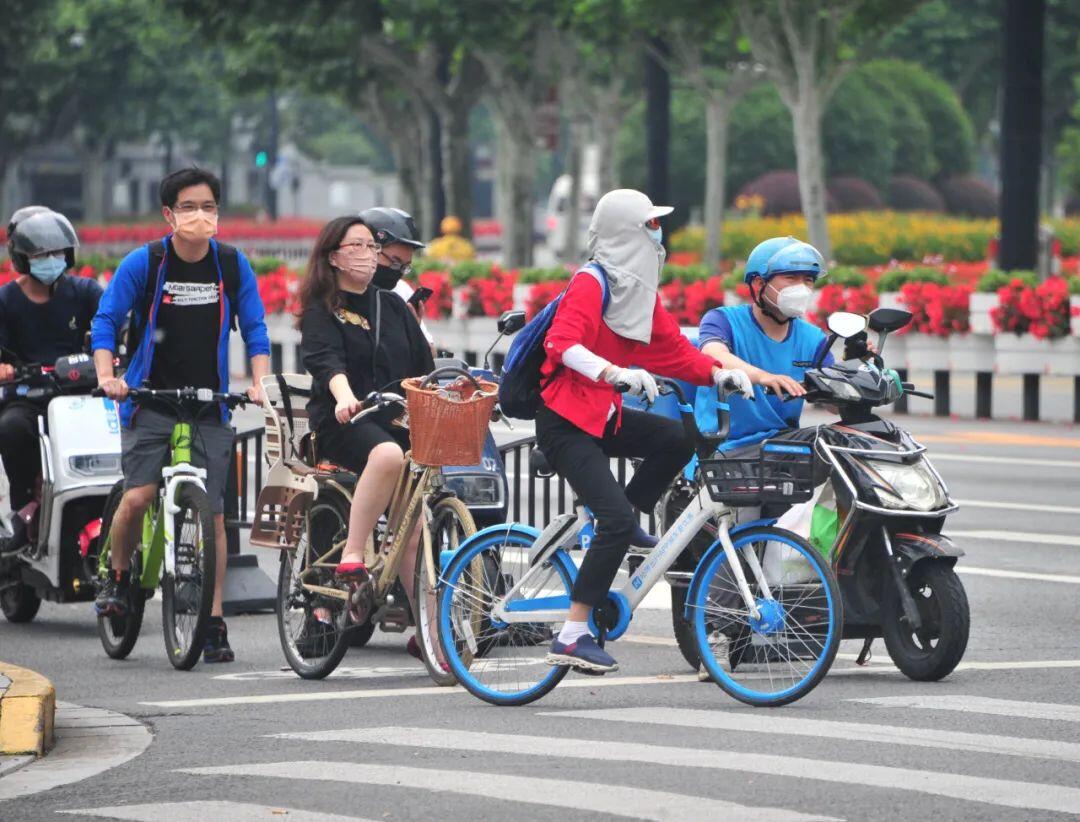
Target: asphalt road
(1000, 738)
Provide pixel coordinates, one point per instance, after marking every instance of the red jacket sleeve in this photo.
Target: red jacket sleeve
(577, 319)
(670, 354)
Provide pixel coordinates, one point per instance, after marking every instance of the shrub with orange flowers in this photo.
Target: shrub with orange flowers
(1041, 310)
(938, 310)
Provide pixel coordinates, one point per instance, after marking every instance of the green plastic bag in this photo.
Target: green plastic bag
(824, 526)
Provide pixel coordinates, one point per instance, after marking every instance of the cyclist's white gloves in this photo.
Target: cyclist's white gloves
(732, 379)
(640, 382)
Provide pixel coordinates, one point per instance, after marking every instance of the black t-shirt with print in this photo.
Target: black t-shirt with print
(188, 325)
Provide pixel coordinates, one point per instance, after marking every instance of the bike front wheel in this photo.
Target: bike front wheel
(781, 654)
(451, 525)
(501, 663)
(187, 594)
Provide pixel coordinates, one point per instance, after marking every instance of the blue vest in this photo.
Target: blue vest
(755, 421)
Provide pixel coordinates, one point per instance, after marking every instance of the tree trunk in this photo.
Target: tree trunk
(716, 141)
(810, 163)
(457, 177)
(518, 231)
(427, 158)
(93, 183)
(657, 123)
(504, 160)
(606, 119)
(571, 250)
(1021, 124)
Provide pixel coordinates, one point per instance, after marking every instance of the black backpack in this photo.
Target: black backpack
(229, 258)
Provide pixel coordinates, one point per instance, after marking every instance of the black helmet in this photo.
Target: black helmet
(391, 225)
(41, 233)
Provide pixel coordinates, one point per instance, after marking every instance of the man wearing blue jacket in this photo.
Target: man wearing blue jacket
(184, 294)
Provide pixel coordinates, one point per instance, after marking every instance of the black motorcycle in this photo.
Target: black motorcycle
(894, 566)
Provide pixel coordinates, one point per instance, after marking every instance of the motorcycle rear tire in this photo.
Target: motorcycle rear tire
(19, 603)
(947, 602)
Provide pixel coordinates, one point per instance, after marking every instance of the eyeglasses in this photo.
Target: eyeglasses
(361, 248)
(400, 266)
(191, 208)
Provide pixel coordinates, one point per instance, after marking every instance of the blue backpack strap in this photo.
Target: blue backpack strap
(596, 270)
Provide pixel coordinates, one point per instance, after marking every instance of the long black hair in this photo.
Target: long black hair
(320, 279)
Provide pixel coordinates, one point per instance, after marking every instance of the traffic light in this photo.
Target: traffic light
(260, 159)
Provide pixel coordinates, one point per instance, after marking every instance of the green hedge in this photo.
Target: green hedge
(895, 280)
(991, 281)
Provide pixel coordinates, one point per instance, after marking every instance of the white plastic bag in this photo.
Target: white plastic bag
(782, 564)
(5, 504)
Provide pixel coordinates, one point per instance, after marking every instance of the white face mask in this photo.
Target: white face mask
(794, 301)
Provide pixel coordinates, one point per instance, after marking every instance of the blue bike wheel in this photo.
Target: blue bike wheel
(500, 663)
(780, 655)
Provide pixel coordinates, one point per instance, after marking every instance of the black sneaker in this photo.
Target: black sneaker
(216, 648)
(113, 598)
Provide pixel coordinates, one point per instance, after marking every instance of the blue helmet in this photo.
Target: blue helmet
(783, 255)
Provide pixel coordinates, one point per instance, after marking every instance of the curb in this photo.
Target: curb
(27, 710)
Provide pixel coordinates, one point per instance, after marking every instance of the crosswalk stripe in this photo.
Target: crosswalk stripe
(980, 705)
(1002, 792)
(1067, 540)
(827, 729)
(617, 800)
(200, 811)
(1068, 579)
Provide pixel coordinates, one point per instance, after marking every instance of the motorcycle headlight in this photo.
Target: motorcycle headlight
(843, 390)
(95, 465)
(913, 486)
(476, 490)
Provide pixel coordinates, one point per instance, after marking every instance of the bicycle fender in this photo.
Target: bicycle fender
(911, 549)
(711, 552)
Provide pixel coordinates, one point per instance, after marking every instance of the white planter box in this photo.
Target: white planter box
(1074, 306)
(926, 352)
(971, 352)
(1021, 354)
(895, 351)
(981, 304)
(521, 295)
(1063, 358)
(732, 298)
(890, 299)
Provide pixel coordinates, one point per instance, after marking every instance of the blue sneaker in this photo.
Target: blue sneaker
(584, 655)
(643, 539)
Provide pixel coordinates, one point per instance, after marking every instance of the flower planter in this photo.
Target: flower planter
(732, 298)
(890, 299)
(926, 352)
(1021, 354)
(521, 295)
(981, 305)
(971, 352)
(1074, 307)
(1063, 358)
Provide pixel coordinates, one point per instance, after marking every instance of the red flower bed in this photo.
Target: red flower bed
(490, 296)
(279, 289)
(836, 297)
(1042, 311)
(688, 302)
(940, 310)
(541, 294)
(441, 302)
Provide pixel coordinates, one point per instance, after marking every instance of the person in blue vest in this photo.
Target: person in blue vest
(184, 292)
(766, 338)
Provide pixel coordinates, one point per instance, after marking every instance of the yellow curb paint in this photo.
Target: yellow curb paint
(999, 438)
(27, 710)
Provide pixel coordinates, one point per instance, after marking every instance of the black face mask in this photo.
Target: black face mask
(386, 277)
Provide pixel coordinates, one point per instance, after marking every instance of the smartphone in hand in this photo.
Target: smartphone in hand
(421, 295)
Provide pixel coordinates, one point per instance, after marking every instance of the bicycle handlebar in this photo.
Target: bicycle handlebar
(376, 401)
(179, 395)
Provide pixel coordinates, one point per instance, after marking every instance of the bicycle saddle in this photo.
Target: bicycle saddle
(539, 464)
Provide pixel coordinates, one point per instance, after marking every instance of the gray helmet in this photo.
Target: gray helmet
(392, 225)
(21, 214)
(43, 232)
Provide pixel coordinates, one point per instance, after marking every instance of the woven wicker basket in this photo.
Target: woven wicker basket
(447, 431)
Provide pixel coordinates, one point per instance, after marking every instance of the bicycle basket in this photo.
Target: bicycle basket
(447, 425)
(780, 471)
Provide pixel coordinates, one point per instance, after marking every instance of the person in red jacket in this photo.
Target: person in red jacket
(581, 422)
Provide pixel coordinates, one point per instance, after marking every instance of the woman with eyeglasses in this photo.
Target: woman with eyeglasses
(355, 339)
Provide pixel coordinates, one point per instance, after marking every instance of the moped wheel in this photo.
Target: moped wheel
(934, 651)
(187, 594)
(313, 626)
(19, 602)
(119, 634)
(451, 525)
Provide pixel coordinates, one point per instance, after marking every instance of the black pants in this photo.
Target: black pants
(584, 462)
(20, 450)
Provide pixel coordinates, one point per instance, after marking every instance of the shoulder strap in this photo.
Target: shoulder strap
(229, 258)
(155, 254)
(378, 330)
(597, 271)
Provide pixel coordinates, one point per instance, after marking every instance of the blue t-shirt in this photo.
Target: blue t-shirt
(738, 329)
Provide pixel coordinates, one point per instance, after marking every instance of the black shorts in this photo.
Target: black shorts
(350, 445)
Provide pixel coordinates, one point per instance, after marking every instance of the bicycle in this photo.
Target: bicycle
(745, 615)
(303, 510)
(178, 544)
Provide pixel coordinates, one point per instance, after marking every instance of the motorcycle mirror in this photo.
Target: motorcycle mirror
(511, 322)
(845, 324)
(888, 319)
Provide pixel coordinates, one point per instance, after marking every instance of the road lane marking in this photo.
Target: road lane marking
(578, 797)
(1019, 536)
(937, 456)
(1018, 506)
(1001, 792)
(980, 705)
(1027, 575)
(344, 672)
(743, 722)
(200, 811)
(1001, 438)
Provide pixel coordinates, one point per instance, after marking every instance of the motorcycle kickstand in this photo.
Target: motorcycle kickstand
(865, 656)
